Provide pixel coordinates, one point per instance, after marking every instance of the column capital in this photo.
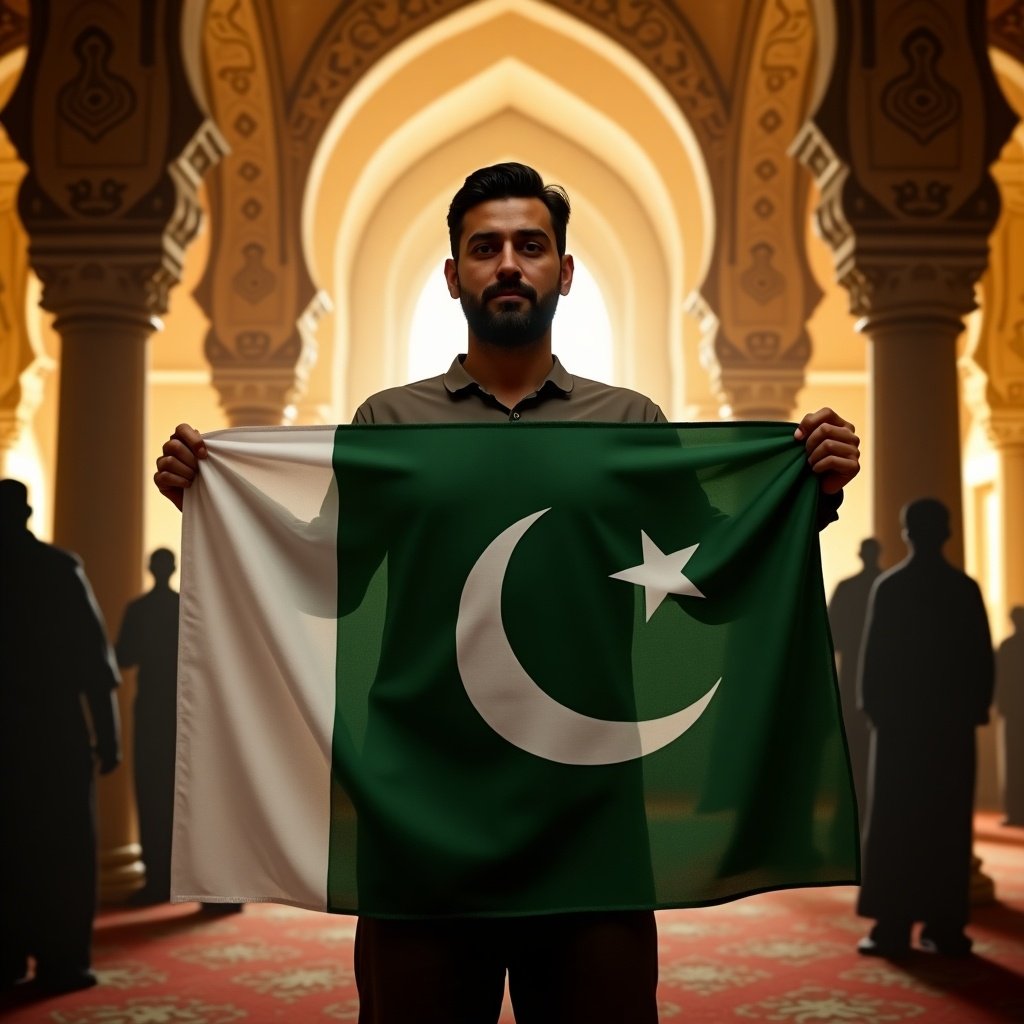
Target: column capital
(900, 142)
(1005, 428)
(116, 143)
(260, 382)
(759, 380)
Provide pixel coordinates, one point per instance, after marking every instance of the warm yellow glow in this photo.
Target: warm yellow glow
(495, 81)
(582, 336)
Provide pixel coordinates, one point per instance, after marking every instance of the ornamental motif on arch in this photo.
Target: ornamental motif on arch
(662, 39)
(785, 42)
(364, 32)
(782, 64)
(240, 84)
(13, 28)
(784, 57)
(360, 34)
(236, 65)
(1006, 30)
(241, 93)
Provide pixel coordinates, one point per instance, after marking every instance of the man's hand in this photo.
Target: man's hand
(179, 464)
(833, 449)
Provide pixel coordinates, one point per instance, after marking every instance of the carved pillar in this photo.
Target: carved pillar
(115, 141)
(759, 293)
(23, 366)
(905, 127)
(994, 375)
(256, 290)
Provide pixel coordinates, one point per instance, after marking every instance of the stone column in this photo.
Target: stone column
(1007, 433)
(907, 121)
(115, 141)
(993, 373)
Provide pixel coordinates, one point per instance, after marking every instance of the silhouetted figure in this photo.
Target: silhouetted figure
(926, 683)
(1010, 703)
(148, 641)
(54, 652)
(846, 613)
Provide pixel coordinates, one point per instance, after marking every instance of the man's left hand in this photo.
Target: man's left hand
(833, 449)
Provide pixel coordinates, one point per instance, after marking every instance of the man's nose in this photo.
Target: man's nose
(508, 266)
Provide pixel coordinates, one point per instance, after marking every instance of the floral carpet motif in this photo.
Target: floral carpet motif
(786, 957)
(231, 954)
(813, 1004)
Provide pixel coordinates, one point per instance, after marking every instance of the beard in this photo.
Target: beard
(510, 325)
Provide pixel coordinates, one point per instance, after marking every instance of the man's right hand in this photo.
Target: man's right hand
(179, 464)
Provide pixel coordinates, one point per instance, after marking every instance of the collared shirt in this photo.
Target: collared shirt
(455, 397)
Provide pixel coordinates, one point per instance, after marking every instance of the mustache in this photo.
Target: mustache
(494, 291)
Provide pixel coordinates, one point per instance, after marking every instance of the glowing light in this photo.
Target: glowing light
(582, 336)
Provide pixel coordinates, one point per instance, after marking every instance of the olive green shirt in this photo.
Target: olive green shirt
(456, 397)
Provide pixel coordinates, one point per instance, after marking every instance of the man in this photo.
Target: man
(508, 268)
(1010, 703)
(148, 640)
(846, 613)
(925, 684)
(55, 653)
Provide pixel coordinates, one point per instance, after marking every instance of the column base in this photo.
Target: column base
(122, 873)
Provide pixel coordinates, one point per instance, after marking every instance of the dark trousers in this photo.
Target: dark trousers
(593, 968)
(47, 874)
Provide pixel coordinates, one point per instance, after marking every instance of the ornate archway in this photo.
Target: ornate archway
(508, 81)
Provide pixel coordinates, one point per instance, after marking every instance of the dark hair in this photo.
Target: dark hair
(507, 181)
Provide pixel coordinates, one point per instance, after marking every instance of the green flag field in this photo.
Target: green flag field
(506, 669)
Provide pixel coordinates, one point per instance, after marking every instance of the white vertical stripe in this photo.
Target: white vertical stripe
(256, 672)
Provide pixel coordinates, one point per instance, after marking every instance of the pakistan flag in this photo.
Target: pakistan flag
(506, 669)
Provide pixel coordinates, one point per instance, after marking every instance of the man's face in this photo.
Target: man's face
(509, 275)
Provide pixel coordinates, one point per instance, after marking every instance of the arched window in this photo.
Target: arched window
(582, 334)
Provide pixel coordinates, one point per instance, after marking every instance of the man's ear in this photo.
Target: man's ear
(451, 276)
(565, 279)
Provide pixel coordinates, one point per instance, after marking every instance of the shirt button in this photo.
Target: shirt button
(515, 415)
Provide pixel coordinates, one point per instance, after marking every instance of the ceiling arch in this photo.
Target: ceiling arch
(500, 81)
(659, 37)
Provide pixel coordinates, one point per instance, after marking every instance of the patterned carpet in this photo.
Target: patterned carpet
(786, 957)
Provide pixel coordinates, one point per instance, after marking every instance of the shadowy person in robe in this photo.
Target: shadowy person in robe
(55, 653)
(1010, 704)
(148, 641)
(846, 613)
(926, 684)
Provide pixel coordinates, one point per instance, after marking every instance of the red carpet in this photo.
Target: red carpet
(786, 957)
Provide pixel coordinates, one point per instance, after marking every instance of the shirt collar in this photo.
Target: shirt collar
(457, 380)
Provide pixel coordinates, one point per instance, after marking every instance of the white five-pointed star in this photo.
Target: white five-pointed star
(660, 574)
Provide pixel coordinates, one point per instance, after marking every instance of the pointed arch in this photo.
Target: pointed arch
(502, 81)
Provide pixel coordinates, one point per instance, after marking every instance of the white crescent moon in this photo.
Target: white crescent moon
(512, 704)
